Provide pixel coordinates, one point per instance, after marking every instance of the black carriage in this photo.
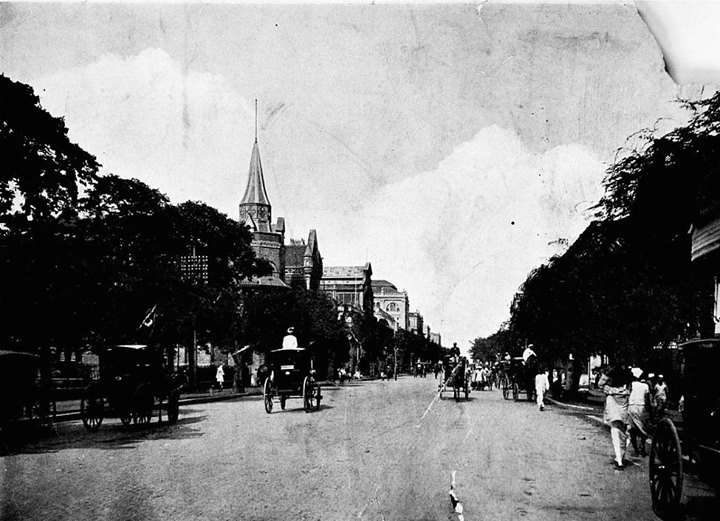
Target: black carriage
(694, 433)
(291, 376)
(456, 378)
(23, 397)
(518, 377)
(133, 382)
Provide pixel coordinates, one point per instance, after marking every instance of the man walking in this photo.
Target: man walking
(542, 385)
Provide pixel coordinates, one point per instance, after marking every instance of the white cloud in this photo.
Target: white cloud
(145, 116)
(463, 237)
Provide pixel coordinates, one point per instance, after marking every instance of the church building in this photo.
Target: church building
(298, 264)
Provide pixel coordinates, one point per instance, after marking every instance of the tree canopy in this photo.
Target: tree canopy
(627, 283)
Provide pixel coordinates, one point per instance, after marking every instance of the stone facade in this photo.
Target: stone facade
(304, 267)
(349, 286)
(297, 264)
(415, 322)
(393, 302)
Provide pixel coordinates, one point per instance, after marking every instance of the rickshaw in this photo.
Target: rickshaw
(291, 375)
(22, 396)
(133, 381)
(693, 433)
(456, 377)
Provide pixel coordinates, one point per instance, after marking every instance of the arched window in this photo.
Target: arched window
(393, 307)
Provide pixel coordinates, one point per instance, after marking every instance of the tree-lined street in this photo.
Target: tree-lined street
(375, 450)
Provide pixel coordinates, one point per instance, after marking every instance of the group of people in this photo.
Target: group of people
(632, 401)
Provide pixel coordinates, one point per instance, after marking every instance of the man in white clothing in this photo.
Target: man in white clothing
(289, 340)
(542, 385)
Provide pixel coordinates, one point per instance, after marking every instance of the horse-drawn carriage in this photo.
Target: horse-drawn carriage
(519, 377)
(291, 376)
(457, 377)
(133, 381)
(23, 398)
(695, 434)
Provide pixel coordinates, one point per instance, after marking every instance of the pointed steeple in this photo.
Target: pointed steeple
(255, 206)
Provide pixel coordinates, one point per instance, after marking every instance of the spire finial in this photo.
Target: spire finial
(255, 120)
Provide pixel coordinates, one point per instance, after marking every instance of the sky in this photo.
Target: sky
(455, 147)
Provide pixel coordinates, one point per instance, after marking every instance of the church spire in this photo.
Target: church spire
(255, 205)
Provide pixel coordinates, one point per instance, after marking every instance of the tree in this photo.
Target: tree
(627, 284)
(43, 171)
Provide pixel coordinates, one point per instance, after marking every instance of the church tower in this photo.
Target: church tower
(255, 211)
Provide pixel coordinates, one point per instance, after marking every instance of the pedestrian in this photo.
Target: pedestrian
(637, 411)
(615, 386)
(220, 377)
(661, 392)
(437, 369)
(542, 385)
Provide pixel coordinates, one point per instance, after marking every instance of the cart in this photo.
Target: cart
(23, 398)
(455, 379)
(695, 433)
(291, 376)
(133, 382)
(519, 377)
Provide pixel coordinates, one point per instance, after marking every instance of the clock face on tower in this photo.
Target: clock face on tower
(262, 212)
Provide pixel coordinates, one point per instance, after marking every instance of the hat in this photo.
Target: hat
(660, 377)
(636, 371)
(651, 375)
(291, 330)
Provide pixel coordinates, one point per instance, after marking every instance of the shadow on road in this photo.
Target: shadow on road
(111, 436)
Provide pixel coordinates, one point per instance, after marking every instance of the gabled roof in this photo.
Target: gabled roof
(255, 192)
(346, 272)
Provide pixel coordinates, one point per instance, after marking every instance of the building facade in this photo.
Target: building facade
(349, 286)
(298, 264)
(393, 302)
(303, 263)
(416, 323)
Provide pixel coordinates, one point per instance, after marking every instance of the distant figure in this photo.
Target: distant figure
(542, 385)
(637, 411)
(661, 391)
(528, 353)
(220, 377)
(290, 340)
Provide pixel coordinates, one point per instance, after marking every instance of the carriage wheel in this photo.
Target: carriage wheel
(125, 417)
(173, 407)
(91, 410)
(308, 394)
(268, 396)
(283, 400)
(318, 397)
(665, 469)
(144, 402)
(515, 392)
(506, 389)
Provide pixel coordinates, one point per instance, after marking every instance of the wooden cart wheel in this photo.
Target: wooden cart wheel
(515, 391)
(173, 407)
(91, 410)
(144, 402)
(318, 397)
(506, 388)
(268, 396)
(125, 417)
(665, 469)
(283, 401)
(308, 394)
